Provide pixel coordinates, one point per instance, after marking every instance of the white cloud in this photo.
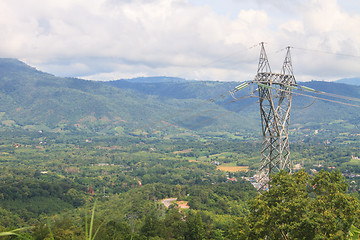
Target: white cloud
(125, 38)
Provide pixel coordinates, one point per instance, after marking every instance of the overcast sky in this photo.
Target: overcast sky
(192, 39)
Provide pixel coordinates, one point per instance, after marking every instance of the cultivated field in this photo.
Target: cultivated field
(233, 168)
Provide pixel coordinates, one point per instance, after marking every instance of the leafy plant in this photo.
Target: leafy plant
(89, 231)
(354, 233)
(15, 233)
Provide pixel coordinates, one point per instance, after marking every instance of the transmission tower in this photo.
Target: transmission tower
(275, 93)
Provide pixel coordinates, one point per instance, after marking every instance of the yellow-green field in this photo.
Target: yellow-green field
(228, 168)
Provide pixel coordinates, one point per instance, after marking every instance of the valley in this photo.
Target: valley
(69, 145)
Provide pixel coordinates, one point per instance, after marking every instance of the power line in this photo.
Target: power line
(220, 59)
(282, 49)
(325, 99)
(199, 113)
(209, 110)
(317, 97)
(205, 102)
(223, 95)
(327, 52)
(331, 95)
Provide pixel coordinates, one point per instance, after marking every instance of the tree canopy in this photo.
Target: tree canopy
(299, 206)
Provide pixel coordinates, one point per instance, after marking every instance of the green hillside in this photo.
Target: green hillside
(157, 106)
(39, 101)
(308, 114)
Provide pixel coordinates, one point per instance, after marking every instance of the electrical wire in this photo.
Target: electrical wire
(327, 52)
(329, 100)
(231, 92)
(205, 111)
(332, 95)
(221, 96)
(251, 95)
(245, 50)
(310, 104)
(316, 97)
(193, 108)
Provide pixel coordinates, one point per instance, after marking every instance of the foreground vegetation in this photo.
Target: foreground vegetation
(297, 206)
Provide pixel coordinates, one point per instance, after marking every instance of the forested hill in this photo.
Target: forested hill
(34, 100)
(310, 112)
(39, 101)
(179, 90)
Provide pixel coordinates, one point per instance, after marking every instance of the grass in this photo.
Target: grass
(15, 233)
(89, 232)
(89, 229)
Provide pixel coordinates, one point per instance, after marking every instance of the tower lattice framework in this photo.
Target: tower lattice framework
(275, 94)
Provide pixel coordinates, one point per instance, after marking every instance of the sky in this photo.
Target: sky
(192, 39)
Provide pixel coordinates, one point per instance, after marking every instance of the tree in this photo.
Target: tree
(152, 225)
(297, 207)
(335, 211)
(115, 230)
(174, 224)
(280, 213)
(238, 229)
(195, 227)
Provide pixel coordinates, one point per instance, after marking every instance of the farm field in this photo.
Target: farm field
(230, 168)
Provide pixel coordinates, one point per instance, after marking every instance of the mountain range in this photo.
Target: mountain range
(33, 100)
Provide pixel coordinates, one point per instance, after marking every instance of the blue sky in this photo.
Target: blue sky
(192, 39)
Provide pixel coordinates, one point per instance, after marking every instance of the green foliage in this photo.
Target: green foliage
(152, 225)
(279, 212)
(354, 233)
(195, 226)
(223, 198)
(89, 231)
(16, 233)
(297, 207)
(334, 210)
(115, 230)
(174, 224)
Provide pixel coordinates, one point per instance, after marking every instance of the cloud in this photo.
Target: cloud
(102, 39)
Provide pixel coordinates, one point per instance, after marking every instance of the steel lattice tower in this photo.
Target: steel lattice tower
(275, 93)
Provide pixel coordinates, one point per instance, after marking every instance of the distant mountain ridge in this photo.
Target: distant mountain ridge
(33, 100)
(351, 81)
(12, 65)
(178, 90)
(159, 79)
